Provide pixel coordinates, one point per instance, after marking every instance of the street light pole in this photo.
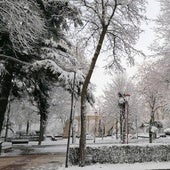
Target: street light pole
(127, 129)
(121, 104)
(124, 106)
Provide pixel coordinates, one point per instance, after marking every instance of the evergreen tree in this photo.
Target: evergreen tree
(29, 57)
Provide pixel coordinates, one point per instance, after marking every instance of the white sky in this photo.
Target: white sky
(101, 78)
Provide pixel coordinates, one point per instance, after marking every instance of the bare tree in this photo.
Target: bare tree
(124, 85)
(153, 92)
(161, 43)
(112, 24)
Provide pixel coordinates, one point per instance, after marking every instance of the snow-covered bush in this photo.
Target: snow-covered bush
(113, 154)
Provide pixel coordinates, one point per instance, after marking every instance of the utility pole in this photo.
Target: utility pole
(117, 125)
(73, 125)
(121, 104)
(70, 123)
(127, 126)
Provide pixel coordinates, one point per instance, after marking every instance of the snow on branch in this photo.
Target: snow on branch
(22, 20)
(63, 76)
(59, 52)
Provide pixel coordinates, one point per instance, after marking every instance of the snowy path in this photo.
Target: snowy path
(136, 166)
(32, 162)
(56, 162)
(59, 148)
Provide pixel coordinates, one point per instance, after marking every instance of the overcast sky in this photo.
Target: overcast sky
(101, 78)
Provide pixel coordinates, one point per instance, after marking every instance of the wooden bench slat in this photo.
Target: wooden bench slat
(20, 141)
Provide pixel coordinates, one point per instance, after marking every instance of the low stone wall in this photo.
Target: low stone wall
(122, 153)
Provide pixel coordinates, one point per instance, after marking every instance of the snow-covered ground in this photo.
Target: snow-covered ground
(59, 146)
(136, 166)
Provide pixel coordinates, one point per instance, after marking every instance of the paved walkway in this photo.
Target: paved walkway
(32, 162)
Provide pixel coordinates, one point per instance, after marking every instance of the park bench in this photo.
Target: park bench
(0, 147)
(53, 138)
(143, 136)
(20, 141)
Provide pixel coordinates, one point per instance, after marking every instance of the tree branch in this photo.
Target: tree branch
(93, 9)
(9, 58)
(113, 12)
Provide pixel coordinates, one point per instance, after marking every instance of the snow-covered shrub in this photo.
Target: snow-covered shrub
(113, 154)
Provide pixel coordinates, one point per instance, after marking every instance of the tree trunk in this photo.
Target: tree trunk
(136, 123)
(6, 84)
(41, 95)
(82, 145)
(27, 128)
(7, 123)
(150, 134)
(150, 127)
(150, 130)
(116, 128)
(121, 138)
(41, 135)
(42, 129)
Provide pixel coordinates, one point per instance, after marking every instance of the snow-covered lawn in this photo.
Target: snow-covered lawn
(49, 146)
(60, 146)
(136, 166)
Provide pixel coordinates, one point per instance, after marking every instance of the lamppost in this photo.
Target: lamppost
(124, 111)
(121, 104)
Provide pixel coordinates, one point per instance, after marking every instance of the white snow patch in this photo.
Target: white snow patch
(135, 166)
